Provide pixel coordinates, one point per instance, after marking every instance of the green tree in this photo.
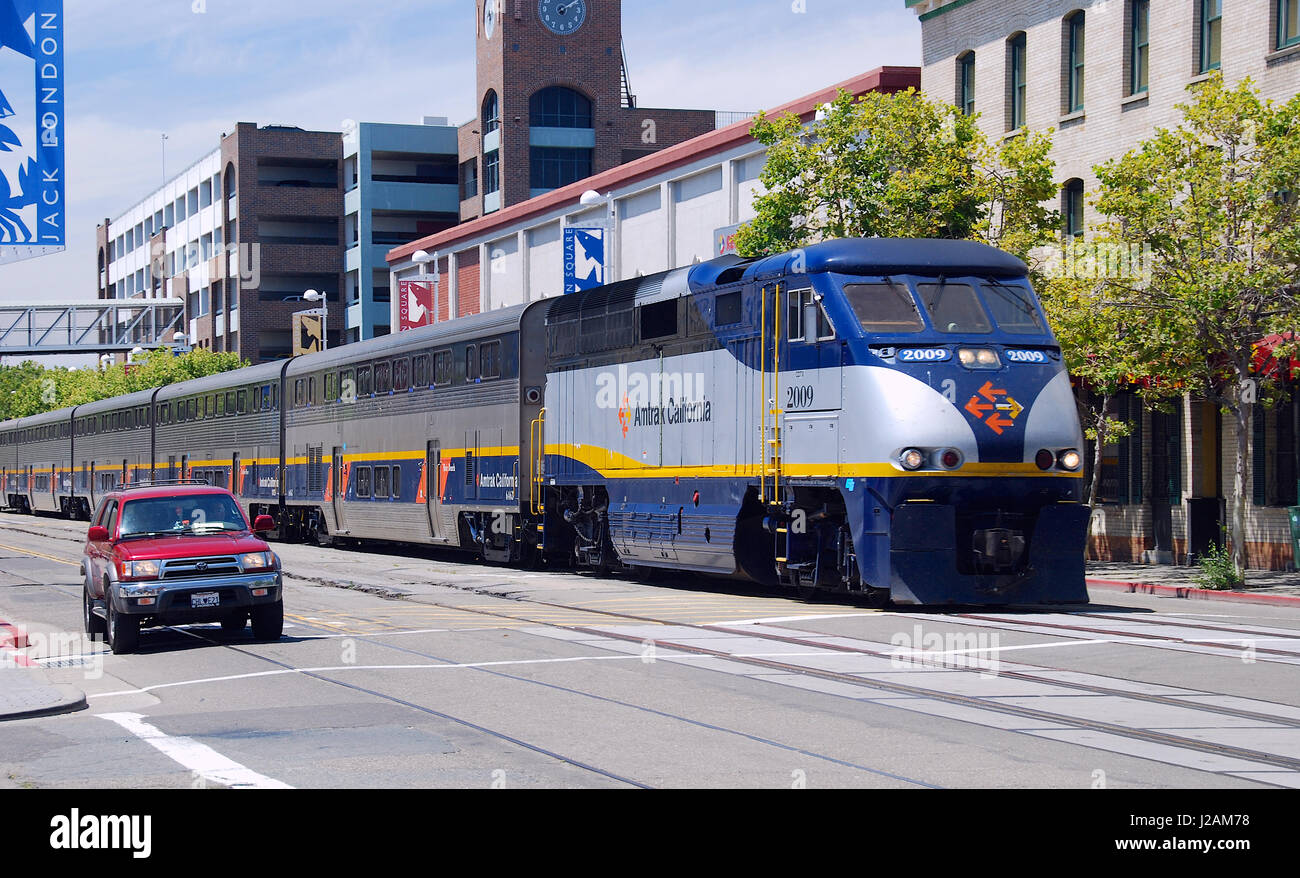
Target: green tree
(899, 166)
(1215, 200)
(28, 388)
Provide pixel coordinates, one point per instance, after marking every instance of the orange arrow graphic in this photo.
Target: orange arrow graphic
(977, 408)
(989, 392)
(996, 422)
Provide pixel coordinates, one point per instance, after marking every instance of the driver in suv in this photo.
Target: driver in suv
(178, 554)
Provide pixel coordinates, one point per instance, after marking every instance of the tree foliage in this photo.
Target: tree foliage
(1216, 201)
(898, 166)
(28, 388)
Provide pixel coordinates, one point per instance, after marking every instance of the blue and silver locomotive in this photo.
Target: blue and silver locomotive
(884, 417)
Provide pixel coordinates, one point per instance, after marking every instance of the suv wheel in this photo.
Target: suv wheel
(268, 621)
(93, 625)
(123, 631)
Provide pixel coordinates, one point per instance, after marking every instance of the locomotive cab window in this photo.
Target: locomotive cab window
(954, 308)
(1013, 309)
(884, 307)
(806, 318)
(727, 311)
(659, 320)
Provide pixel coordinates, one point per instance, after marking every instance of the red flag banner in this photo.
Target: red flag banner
(416, 306)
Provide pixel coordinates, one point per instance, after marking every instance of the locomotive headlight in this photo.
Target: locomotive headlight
(1069, 459)
(979, 358)
(911, 458)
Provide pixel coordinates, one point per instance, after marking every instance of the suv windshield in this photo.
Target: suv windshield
(202, 513)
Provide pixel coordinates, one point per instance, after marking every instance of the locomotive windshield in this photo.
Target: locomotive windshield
(884, 307)
(954, 308)
(967, 308)
(1013, 309)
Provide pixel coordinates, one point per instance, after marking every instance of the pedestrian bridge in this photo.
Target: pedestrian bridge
(103, 327)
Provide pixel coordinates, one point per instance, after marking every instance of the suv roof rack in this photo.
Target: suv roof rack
(154, 483)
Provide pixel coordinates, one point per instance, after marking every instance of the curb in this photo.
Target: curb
(66, 699)
(1188, 592)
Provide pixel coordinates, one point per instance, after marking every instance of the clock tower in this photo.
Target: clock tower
(553, 102)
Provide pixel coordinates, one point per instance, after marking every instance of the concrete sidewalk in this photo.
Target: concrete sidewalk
(25, 690)
(1262, 586)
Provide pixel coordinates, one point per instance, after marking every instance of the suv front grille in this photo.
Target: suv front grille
(190, 568)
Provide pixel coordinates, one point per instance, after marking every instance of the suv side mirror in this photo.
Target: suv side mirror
(97, 535)
(263, 523)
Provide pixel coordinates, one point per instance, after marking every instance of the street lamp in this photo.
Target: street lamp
(590, 198)
(314, 296)
(104, 361)
(422, 258)
(135, 352)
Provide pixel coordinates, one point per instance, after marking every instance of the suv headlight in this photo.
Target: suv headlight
(257, 561)
(140, 569)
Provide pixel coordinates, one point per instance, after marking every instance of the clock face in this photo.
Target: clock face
(562, 17)
(491, 11)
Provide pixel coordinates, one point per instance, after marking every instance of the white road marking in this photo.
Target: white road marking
(198, 758)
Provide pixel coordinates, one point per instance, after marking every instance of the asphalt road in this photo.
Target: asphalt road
(415, 669)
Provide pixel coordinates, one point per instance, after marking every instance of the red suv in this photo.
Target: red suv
(176, 554)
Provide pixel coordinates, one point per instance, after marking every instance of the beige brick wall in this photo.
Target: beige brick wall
(1111, 123)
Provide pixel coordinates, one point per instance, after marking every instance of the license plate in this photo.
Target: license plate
(205, 599)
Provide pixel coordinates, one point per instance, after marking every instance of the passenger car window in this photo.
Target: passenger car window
(363, 481)
(490, 360)
(885, 308)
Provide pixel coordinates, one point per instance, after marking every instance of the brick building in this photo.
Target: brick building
(240, 236)
(555, 105)
(1105, 74)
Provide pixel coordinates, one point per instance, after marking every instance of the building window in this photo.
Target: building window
(1211, 34)
(1074, 74)
(492, 172)
(1072, 208)
(966, 83)
(1273, 455)
(559, 107)
(1121, 461)
(491, 113)
(1016, 82)
(1139, 45)
(1288, 23)
(468, 179)
(552, 167)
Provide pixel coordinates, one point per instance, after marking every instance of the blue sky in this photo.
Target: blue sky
(193, 68)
